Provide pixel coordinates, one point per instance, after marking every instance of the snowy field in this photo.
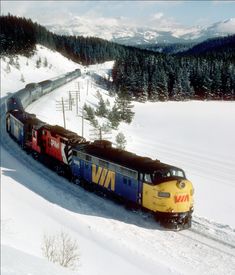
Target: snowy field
(196, 136)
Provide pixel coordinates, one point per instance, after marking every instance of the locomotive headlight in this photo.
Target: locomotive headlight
(164, 194)
(180, 184)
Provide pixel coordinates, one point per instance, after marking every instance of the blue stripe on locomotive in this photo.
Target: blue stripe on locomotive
(17, 130)
(124, 186)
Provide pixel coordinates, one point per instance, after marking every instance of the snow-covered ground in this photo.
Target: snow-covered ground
(196, 136)
(15, 77)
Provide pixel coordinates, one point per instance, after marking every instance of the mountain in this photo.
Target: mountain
(218, 29)
(220, 46)
(169, 48)
(117, 31)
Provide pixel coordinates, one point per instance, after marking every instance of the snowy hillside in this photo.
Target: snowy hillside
(196, 136)
(42, 65)
(116, 30)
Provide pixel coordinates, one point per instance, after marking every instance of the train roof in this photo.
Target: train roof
(45, 82)
(27, 118)
(72, 137)
(124, 158)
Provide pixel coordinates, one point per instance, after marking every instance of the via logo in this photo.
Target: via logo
(103, 177)
(181, 198)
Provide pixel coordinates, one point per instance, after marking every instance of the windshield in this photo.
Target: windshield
(169, 173)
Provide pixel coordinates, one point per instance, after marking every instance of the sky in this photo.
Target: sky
(140, 13)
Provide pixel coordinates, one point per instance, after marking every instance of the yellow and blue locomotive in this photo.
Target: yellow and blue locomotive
(158, 187)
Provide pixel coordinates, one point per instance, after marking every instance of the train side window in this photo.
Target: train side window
(124, 181)
(129, 182)
(88, 158)
(103, 163)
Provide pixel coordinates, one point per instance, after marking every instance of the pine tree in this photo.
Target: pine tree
(161, 86)
(121, 141)
(45, 63)
(17, 64)
(38, 63)
(177, 92)
(89, 112)
(114, 117)
(101, 110)
(216, 83)
(124, 107)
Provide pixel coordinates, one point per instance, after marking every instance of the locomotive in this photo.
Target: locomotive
(137, 181)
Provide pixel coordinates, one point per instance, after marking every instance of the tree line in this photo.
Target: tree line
(164, 77)
(207, 71)
(20, 36)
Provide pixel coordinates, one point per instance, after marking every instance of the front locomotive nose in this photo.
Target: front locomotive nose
(175, 210)
(171, 201)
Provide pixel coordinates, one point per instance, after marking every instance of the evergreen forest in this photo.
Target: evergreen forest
(206, 71)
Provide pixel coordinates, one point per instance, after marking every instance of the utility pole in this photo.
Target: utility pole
(77, 103)
(79, 92)
(82, 116)
(75, 93)
(82, 122)
(63, 112)
(60, 106)
(70, 102)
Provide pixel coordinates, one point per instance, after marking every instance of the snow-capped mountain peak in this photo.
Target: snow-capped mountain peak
(118, 30)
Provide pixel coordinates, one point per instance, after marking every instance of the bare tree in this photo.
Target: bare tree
(61, 249)
(8, 68)
(49, 247)
(22, 78)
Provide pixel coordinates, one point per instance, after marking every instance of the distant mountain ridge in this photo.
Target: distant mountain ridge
(220, 46)
(115, 31)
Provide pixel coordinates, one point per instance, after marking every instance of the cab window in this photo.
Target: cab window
(148, 178)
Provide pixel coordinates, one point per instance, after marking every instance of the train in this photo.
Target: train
(137, 181)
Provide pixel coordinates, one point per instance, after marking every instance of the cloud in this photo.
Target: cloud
(15, 7)
(158, 15)
(161, 22)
